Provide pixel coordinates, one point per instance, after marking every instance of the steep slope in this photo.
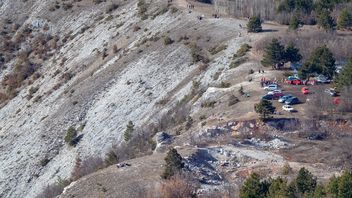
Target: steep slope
(88, 82)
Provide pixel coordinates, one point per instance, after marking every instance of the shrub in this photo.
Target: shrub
(208, 104)
(168, 41)
(254, 24)
(242, 51)
(225, 84)
(217, 49)
(177, 186)
(129, 130)
(71, 134)
(345, 20)
(197, 55)
(238, 62)
(233, 100)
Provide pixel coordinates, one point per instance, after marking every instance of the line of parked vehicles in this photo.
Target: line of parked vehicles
(274, 93)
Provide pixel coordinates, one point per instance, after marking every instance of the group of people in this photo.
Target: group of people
(265, 82)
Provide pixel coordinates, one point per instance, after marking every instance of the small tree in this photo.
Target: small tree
(129, 130)
(345, 20)
(265, 108)
(345, 77)
(168, 41)
(71, 134)
(173, 163)
(294, 23)
(278, 188)
(345, 183)
(292, 54)
(325, 21)
(254, 24)
(305, 181)
(274, 53)
(252, 187)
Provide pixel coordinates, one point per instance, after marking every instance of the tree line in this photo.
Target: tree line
(305, 185)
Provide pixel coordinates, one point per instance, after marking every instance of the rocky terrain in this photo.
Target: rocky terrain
(101, 64)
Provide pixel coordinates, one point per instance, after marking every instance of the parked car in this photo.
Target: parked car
(322, 79)
(284, 98)
(271, 87)
(268, 97)
(331, 92)
(277, 95)
(292, 101)
(305, 90)
(275, 91)
(288, 108)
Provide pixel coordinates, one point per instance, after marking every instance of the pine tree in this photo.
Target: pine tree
(294, 23)
(278, 188)
(345, 185)
(274, 53)
(292, 54)
(345, 20)
(305, 181)
(345, 77)
(173, 163)
(325, 21)
(254, 24)
(333, 186)
(129, 130)
(252, 187)
(264, 108)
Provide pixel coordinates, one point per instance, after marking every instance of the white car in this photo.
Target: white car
(288, 108)
(274, 92)
(271, 87)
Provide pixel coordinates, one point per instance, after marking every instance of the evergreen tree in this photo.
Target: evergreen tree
(321, 61)
(129, 130)
(294, 23)
(345, 77)
(264, 108)
(254, 24)
(278, 188)
(173, 163)
(333, 186)
(252, 187)
(274, 53)
(345, 185)
(305, 181)
(325, 21)
(345, 20)
(292, 54)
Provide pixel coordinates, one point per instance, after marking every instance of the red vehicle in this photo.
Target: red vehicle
(294, 82)
(305, 90)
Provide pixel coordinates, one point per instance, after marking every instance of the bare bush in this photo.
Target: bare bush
(88, 166)
(178, 186)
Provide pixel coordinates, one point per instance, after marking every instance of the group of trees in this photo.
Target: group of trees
(297, 12)
(275, 53)
(319, 10)
(321, 61)
(304, 185)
